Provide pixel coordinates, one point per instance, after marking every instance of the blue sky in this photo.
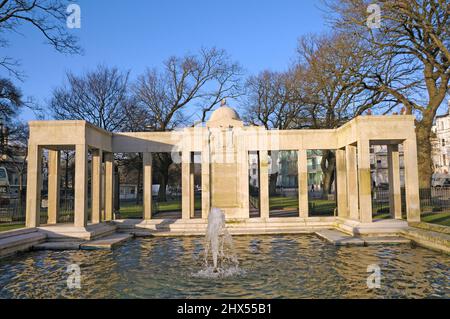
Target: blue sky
(136, 34)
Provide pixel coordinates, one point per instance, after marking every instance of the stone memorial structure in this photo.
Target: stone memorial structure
(223, 143)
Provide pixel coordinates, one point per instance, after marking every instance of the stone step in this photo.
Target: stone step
(61, 233)
(16, 232)
(108, 242)
(385, 240)
(339, 238)
(428, 239)
(58, 245)
(21, 242)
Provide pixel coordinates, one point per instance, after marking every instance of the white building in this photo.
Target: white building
(441, 143)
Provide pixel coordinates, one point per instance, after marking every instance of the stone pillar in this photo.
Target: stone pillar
(34, 184)
(81, 183)
(96, 186)
(411, 180)
(302, 167)
(185, 185)
(352, 182)
(109, 186)
(192, 186)
(264, 184)
(365, 181)
(147, 187)
(243, 169)
(54, 175)
(341, 183)
(206, 197)
(395, 198)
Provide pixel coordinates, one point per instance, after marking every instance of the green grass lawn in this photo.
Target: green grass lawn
(437, 218)
(5, 227)
(317, 207)
(131, 210)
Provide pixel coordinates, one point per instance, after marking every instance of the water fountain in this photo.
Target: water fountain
(219, 256)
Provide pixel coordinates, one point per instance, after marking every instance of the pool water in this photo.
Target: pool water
(284, 266)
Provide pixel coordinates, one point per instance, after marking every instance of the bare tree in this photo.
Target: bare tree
(272, 100)
(48, 17)
(333, 68)
(10, 100)
(183, 87)
(270, 103)
(410, 58)
(99, 97)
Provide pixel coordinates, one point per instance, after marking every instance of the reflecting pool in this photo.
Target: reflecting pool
(284, 266)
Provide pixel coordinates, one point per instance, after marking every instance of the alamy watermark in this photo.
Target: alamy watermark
(74, 278)
(374, 279)
(73, 20)
(374, 19)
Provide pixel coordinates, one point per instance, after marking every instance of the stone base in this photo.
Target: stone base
(67, 232)
(19, 240)
(197, 227)
(381, 227)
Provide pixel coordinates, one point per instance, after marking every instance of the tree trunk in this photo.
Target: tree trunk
(425, 164)
(273, 184)
(163, 180)
(138, 192)
(328, 165)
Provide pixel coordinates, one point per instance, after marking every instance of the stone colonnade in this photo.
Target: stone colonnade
(353, 180)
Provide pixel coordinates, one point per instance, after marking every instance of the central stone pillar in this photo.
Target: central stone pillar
(411, 180)
(54, 175)
(206, 197)
(226, 173)
(395, 199)
(96, 185)
(365, 181)
(302, 164)
(341, 183)
(185, 185)
(81, 185)
(109, 186)
(352, 182)
(34, 184)
(147, 162)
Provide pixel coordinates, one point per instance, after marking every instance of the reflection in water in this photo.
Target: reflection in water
(294, 266)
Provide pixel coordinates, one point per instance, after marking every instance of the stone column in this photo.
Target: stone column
(147, 169)
(264, 184)
(302, 167)
(81, 183)
(352, 182)
(96, 186)
(411, 180)
(185, 185)
(206, 197)
(54, 175)
(109, 186)
(365, 181)
(192, 186)
(395, 198)
(34, 184)
(341, 183)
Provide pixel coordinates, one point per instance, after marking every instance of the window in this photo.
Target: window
(443, 142)
(444, 160)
